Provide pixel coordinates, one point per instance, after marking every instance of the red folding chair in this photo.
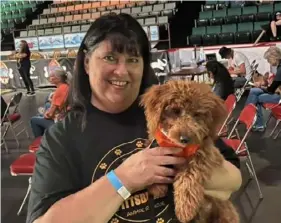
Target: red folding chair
(34, 146)
(240, 91)
(24, 166)
(230, 104)
(12, 120)
(270, 106)
(276, 113)
(247, 117)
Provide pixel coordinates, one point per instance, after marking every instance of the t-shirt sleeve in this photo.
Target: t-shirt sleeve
(239, 59)
(55, 175)
(60, 96)
(228, 153)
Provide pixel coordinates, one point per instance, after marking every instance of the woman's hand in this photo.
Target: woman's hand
(147, 167)
(257, 84)
(47, 115)
(224, 181)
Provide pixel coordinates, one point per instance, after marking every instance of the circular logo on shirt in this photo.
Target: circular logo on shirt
(139, 207)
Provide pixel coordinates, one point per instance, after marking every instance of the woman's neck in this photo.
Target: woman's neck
(59, 84)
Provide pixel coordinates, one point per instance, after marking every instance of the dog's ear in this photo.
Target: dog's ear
(152, 102)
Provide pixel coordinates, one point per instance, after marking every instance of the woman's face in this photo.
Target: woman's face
(53, 79)
(272, 61)
(115, 78)
(22, 44)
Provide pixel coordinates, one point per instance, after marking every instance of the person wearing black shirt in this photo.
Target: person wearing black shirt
(24, 65)
(223, 83)
(273, 29)
(3, 107)
(260, 94)
(94, 165)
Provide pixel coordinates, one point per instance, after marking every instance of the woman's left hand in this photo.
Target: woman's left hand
(47, 115)
(224, 181)
(257, 84)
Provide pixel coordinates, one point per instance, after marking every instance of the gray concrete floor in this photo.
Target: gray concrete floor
(266, 155)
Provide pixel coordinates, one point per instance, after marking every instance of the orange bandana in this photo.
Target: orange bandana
(164, 141)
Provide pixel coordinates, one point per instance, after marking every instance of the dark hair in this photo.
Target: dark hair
(219, 71)
(224, 52)
(25, 48)
(125, 35)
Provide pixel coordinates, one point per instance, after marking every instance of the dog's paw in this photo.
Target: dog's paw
(158, 191)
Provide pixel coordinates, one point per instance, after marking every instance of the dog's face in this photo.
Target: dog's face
(186, 112)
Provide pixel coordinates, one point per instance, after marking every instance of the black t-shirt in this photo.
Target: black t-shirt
(3, 106)
(25, 62)
(70, 160)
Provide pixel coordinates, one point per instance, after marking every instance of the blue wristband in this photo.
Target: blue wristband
(117, 184)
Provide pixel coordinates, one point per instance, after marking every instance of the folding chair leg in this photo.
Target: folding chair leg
(26, 132)
(26, 196)
(5, 145)
(254, 175)
(275, 137)
(15, 136)
(269, 117)
(273, 130)
(250, 170)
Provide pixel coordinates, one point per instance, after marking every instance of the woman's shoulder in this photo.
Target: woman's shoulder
(278, 73)
(59, 137)
(68, 124)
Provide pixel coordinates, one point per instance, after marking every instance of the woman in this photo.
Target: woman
(223, 83)
(24, 65)
(261, 94)
(40, 123)
(3, 107)
(105, 131)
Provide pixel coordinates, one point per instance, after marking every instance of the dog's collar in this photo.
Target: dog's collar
(164, 141)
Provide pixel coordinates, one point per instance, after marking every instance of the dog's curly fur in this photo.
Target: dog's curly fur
(192, 110)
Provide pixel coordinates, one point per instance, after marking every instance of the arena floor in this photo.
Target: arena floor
(266, 154)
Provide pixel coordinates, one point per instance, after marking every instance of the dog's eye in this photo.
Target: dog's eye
(196, 115)
(176, 111)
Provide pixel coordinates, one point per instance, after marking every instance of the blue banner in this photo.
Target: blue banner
(51, 42)
(73, 39)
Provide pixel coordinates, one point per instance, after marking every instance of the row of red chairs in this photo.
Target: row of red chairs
(248, 118)
(24, 166)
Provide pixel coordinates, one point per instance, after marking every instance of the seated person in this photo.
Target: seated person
(40, 123)
(47, 104)
(261, 94)
(223, 83)
(273, 29)
(238, 66)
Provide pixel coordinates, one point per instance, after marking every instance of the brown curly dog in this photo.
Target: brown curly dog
(189, 113)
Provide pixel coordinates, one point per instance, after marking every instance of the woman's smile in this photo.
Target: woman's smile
(119, 84)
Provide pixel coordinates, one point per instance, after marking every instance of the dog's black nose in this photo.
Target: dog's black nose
(184, 139)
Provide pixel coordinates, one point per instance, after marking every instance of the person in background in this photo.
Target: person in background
(238, 66)
(3, 107)
(23, 62)
(40, 123)
(275, 26)
(98, 142)
(273, 29)
(261, 94)
(223, 83)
